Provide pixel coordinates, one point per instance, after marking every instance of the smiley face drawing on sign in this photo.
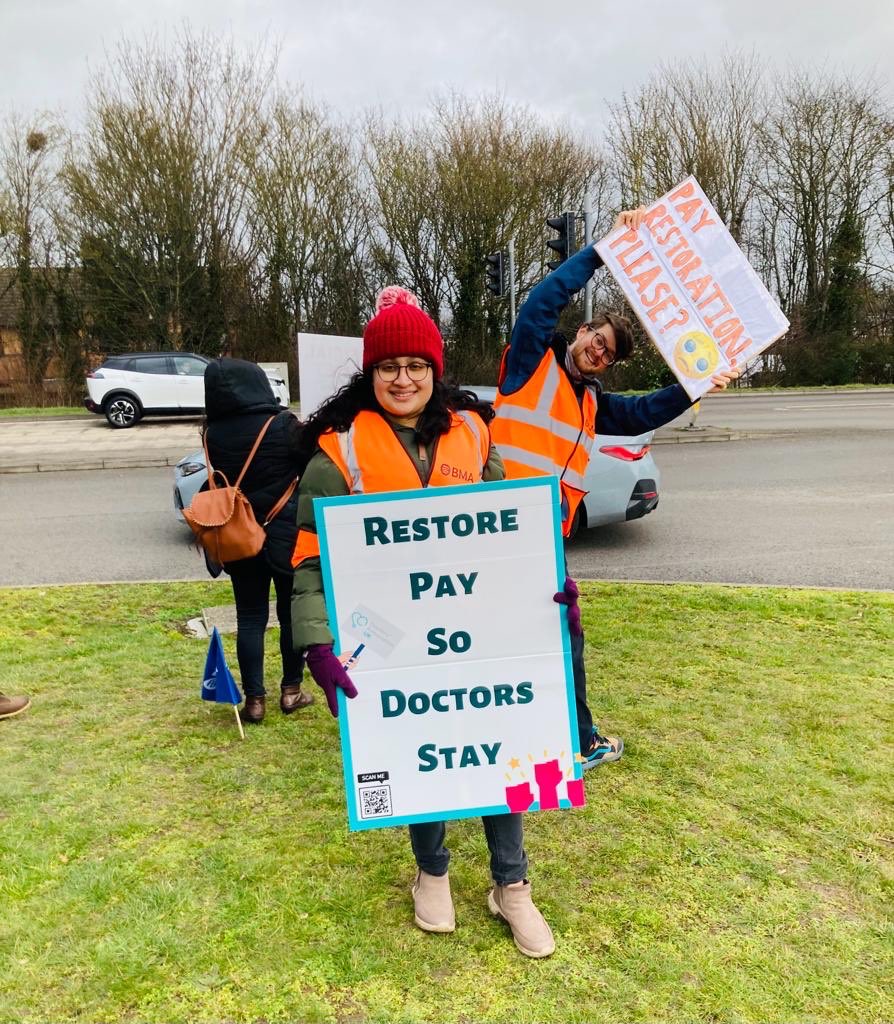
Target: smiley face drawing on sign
(696, 355)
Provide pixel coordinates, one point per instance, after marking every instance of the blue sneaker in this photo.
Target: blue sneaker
(602, 750)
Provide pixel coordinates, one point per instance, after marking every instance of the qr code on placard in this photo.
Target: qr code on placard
(375, 802)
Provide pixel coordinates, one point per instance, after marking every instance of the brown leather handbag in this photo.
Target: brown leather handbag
(222, 518)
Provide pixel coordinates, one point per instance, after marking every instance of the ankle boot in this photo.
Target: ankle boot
(10, 706)
(292, 697)
(433, 903)
(514, 905)
(252, 712)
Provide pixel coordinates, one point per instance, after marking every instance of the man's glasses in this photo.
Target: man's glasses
(607, 357)
(417, 371)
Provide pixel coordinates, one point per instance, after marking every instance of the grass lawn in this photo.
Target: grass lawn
(44, 410)
(736, 865)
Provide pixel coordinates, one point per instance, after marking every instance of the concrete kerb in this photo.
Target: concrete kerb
(223, 616)
(50, 446)
(703, 435)
(85, 458)
(77, 465)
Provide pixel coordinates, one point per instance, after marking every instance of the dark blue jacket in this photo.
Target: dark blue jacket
(534, 333)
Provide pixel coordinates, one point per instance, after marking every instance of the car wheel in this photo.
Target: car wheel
(122, 411)
(580, 519)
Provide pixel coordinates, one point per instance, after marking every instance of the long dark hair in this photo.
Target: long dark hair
(338, 412)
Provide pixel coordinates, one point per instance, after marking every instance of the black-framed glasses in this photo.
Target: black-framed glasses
(606, 356)
(417, 370)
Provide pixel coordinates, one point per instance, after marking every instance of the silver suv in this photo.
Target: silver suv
(127, 387)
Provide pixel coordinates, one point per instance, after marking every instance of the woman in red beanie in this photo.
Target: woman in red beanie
(379, 433)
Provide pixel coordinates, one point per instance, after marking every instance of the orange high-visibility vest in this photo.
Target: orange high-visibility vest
(543, 429)
(372, 459)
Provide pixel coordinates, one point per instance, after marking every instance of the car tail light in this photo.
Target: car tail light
(95, 375)
(618, 451)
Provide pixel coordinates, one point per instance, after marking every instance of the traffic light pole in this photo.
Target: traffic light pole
(565, 244)
(588, 240)
(511, 284)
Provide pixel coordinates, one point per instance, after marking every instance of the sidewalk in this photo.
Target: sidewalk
(48, 445)
(81, 443)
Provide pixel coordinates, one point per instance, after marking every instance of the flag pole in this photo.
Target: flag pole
(238, 720)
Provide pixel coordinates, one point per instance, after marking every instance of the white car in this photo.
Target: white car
(127, 387)
(622, 478)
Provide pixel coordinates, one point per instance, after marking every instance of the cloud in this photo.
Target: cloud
(564, 60)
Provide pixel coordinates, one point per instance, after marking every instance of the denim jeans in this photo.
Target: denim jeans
(251, 578)
(505, 839)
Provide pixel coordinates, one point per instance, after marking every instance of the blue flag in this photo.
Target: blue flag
(218, 683)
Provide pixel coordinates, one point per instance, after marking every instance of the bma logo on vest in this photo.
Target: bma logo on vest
(456, 473)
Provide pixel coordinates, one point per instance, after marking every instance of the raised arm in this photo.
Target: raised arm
(622, 414)
(539, 315)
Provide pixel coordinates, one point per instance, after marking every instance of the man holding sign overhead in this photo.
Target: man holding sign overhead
(550, 406)
(395, 427)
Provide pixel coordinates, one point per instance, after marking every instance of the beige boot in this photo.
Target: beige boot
(433, 903)
(514, 905)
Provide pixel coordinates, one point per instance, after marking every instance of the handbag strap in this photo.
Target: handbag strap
(211, 484)
(254, 448)
(281, 504)
(251, 455)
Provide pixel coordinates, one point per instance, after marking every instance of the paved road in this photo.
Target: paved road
(78, 526)
(810, 510)
(810, 506)
(89, 443)
(798, 411)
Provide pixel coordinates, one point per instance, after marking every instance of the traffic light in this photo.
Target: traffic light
(565, 245)
(496, 274)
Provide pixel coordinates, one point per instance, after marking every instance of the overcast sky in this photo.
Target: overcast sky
(564, 59)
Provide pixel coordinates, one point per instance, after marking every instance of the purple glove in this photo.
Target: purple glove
(569, 597)
(329, 674)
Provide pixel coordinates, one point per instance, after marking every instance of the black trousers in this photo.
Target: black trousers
(584, 715)
(251, 579)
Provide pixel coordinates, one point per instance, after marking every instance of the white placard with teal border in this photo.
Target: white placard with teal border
(443, 598)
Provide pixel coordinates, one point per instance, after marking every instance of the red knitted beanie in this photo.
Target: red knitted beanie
(400, 328)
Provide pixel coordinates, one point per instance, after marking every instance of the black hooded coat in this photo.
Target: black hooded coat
(238, 402)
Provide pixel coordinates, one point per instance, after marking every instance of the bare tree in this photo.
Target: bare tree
(699, 119)
(823, 148)
(308, 220)
(461, 184)
(158, 193)
(202, 207)
(29, 242)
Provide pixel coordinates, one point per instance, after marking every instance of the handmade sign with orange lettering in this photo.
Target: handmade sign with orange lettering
(697, 296)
